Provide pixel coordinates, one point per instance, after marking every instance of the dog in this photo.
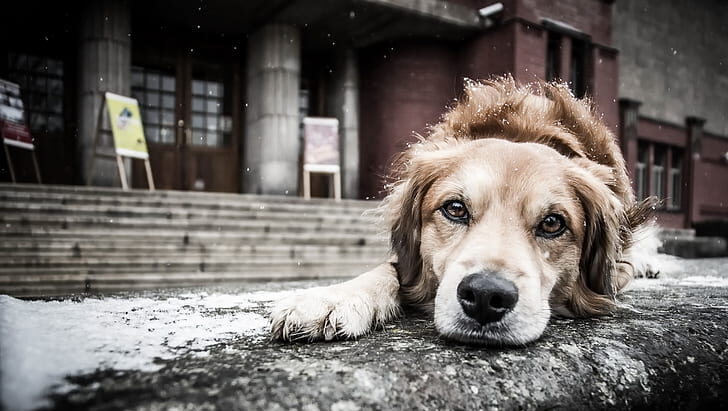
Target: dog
(516, 206)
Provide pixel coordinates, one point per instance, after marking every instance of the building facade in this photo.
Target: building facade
(674, 103)
(223, 86)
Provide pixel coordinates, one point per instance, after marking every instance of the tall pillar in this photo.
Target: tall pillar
(694, 126)
(605, 84)
(104, 65)
(272, 142)
(345, 98)
(628, 119)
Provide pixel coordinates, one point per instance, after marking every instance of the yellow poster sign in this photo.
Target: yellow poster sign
(126, 126)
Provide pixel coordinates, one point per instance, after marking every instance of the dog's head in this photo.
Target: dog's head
(499, 231)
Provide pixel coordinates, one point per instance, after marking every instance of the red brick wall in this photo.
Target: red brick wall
(593, 17)
(530, 53)
(671, 219)
(710, 190)
(407, 85)
(605, 85)
(662, 132)
(403, 87)
(711, 187)
(672, 135)
(489, 54)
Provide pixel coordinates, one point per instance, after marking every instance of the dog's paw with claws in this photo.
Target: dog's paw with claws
(322, 314)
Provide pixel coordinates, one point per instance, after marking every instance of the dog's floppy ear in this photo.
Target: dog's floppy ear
(605, 220)
(418, 170)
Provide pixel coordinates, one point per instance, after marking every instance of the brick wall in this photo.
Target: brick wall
(530, 53)
(407, 85)
(674, 136)
(705, 194)
(588, 16)
(404, 87)
(711, 182)
(490, 54)
(605, 84)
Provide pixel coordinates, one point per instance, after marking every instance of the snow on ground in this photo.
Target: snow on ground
(41, 342)
(675, 271)
(691, 281)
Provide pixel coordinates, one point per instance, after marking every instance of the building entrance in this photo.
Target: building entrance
(191, 122)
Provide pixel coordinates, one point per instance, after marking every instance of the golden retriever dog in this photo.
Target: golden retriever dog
(516, 205)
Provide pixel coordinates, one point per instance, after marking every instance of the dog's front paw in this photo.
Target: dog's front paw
(322, 314)
(652, 271)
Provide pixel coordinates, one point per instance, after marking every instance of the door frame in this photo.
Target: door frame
(187, 160)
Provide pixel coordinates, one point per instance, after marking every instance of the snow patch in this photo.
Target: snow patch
(692, 281)
(41, 342)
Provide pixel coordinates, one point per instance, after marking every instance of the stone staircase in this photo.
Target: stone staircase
(70, 239)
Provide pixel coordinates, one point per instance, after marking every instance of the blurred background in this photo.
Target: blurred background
(224, 86)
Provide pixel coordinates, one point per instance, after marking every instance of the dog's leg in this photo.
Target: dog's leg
(340, 311)
(643, 255)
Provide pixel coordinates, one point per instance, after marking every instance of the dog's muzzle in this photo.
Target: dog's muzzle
(486, 297)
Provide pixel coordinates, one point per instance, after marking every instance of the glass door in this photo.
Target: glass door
(189, 124)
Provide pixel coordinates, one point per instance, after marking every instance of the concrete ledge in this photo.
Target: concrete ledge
(448, 12)
(696, 247)
(208, 348)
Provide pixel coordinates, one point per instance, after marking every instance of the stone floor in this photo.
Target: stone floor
(208, 348)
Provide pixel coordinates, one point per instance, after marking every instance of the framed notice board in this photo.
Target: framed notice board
(128, 135)
(14, 130)
(321, 152)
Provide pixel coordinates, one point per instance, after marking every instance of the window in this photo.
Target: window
(209, 125)
(553, 56)
(579, 79)
(641, 170)
(675, 180)
(578, 63)
(155, 92)
(658, 173)
(41, 84)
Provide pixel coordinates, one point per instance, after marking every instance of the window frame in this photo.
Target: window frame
(153, 113)
(657, 166)
(42, 88)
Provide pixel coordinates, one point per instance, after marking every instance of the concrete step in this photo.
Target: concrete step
(667, 234)
(171, 212)
(697, 247)
(167, 194)
(30, 259)
(77, 283)
(180, 264)
(207, 238)
(31, 219)
(684, 243)
(50, 248)
(72, 195)
(59, 239)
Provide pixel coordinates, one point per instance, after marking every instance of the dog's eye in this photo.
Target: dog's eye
(553, 225)
(455, 211)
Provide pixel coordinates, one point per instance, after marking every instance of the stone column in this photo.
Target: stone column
(104, 65)
(272, 142)
(628, 118)
(694, 127)
(345, 107)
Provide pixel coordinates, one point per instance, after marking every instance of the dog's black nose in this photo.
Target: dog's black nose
(486, 297)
